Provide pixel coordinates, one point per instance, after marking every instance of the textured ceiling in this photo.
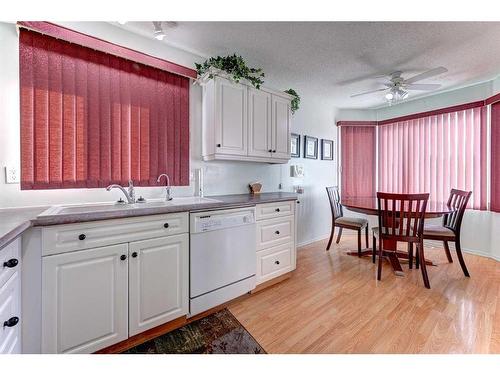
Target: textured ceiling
(337, 59)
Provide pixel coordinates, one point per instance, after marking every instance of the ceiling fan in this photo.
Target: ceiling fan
(398, 87)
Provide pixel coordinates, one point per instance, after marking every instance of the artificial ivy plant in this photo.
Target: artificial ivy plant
(238, 69)
(235, 66)
(295, 101)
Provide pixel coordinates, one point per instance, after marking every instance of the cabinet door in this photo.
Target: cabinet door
(158, 281)
(84, 300)
(230, 118)
(259, 123)
(281, 127)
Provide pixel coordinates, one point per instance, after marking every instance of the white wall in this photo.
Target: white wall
(480, 229)
(315, 118)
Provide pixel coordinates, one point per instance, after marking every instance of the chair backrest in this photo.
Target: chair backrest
(401, 216)
(458, 200)
(334, 197)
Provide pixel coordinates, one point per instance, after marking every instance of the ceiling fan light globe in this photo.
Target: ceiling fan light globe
(389, 96)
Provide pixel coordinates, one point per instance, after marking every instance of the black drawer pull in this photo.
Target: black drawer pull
(277, 262)
(274, 150)
(270, 150)
(123, 257)
(11, 322)
(165, 225)
(134, 254)
(218, 144)
(277, 210)
(81, 237)
(11, 263)
(277, 232)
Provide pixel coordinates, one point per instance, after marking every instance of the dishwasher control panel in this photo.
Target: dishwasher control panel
(217, 220)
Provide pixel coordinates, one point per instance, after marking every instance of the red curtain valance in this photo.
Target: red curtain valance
(72, 36)
(89, 119)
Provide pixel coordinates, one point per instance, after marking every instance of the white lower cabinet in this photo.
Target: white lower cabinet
(85, 300)
(94, 298)
(276, 229)
(158, 281)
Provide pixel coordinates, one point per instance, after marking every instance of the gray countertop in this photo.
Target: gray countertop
(14, 221)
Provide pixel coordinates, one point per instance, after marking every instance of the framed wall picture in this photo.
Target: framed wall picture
(310, 147)
(295, 145)
(327, 150)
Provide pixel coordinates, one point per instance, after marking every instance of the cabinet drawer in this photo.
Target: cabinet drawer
(275, 209)
(11, 255)
(274, 262)
(274, 232)
(10, 308)
(64, 238)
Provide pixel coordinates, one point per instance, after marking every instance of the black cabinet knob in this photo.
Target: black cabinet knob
(123, 257)
(11, 263)
(134, 254)
(165, 225)
(274, 150)
(298, 202)
(11, 322)
(277, 232)
(270, 150)
(277, 210)
(81, 237)
(218, 144)
(277, 262)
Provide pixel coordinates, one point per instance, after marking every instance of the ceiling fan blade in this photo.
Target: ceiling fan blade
(427, 74)
(423, 86)
(369, 92)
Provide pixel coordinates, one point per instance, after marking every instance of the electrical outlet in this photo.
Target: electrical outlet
(11, 174)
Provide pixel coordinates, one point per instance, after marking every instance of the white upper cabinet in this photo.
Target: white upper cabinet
(243, 123)
(281, 127)
(259, 123)
(158, 281)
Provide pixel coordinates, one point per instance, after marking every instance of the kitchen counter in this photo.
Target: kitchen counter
(14, 221)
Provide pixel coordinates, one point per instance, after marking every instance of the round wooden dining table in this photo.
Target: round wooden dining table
(369, 206)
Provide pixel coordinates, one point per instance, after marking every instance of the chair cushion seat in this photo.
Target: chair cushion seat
(352, 221)
(437, 230)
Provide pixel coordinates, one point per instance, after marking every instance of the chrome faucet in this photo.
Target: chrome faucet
(168, 188)
(130, 194)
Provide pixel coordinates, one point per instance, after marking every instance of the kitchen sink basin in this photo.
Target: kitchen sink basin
(114, 207)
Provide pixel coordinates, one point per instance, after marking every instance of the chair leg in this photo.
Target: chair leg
(374, 249)
(379, 269)
(331, 238)
(339, 235)
(359, 242)
(410, 255)
(366, 236)
(417, 260)
(423, 266)
(460, 257)
(447, 251)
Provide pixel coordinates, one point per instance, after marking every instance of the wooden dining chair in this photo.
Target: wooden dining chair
(450, 230)
(401, 219)
(341, 222)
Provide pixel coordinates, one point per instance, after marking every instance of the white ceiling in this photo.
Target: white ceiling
(337, 59)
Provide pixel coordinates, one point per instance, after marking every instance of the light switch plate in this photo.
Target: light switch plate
(11, 174)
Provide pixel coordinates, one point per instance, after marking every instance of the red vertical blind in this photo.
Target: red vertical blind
(89, 119)
(357, 160)
(495, 157)
(435, 154)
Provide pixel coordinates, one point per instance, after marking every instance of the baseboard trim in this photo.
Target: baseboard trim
(430, 242)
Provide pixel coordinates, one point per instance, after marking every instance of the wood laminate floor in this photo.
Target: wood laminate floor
(334, 304)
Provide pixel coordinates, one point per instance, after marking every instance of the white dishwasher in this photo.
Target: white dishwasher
(222, 259)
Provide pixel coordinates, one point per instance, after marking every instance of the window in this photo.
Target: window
(357, 159)
(89, 118)
(434, 154)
